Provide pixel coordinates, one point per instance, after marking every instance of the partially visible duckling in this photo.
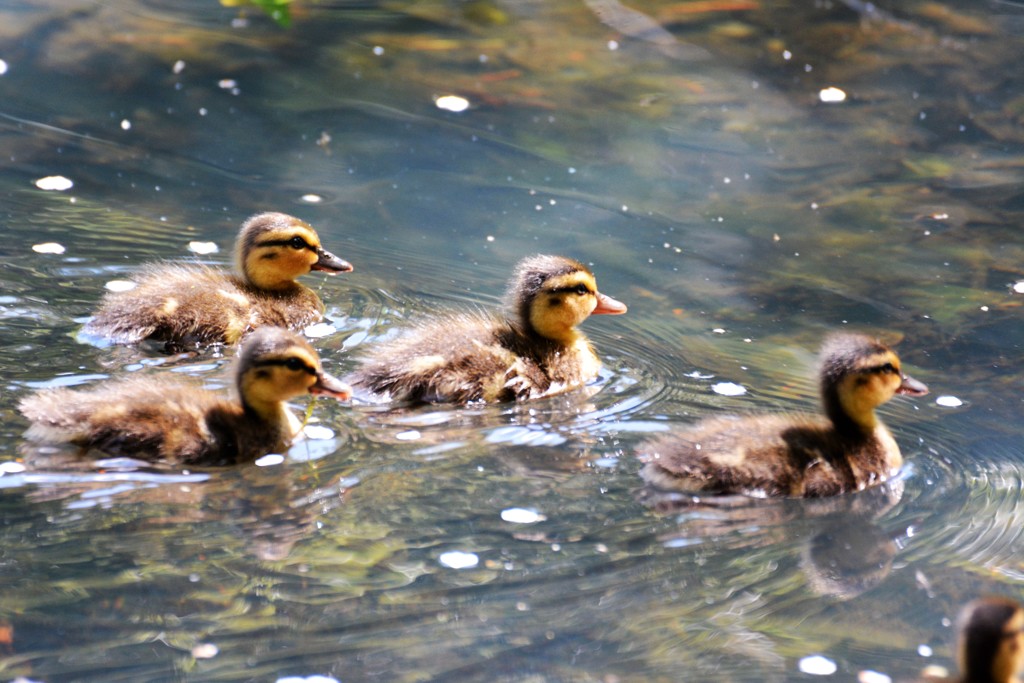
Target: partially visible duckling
(156, 418)
(187, 305)
(990, 646)
(799, 455)
(467, 357)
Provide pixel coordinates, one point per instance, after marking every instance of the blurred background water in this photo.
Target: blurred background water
(745, 175)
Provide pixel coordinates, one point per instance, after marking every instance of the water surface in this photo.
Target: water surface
(684, 150)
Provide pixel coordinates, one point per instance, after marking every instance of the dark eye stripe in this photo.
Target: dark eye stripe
(292, 363)
(294, 242)
(571, 289)
(879, 369)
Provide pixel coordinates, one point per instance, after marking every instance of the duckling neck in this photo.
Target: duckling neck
(543, 331)
(265, 282)
(848, 420)
(273, 416)
(532, 341)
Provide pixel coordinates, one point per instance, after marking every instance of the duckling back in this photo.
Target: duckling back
(197, 305)
(458, 358)
(799, 456)
(152, 420)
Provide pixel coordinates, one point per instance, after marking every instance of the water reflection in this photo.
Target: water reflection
(739, 215)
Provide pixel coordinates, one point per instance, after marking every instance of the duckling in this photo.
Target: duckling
(154, 418)
(477, 357)
(800, 455)
(185, 305)
(991, 643)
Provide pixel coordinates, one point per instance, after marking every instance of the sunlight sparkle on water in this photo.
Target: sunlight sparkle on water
(818, 665)
(949, 401)
(456, 559)
(1018, 287)
(318, 432)
(54, 182)
(205, 651)
(48, 248)
(269, 460)
(522, 516)
(729, 389)
(308, 679)
(409, 435)
(317, 330)
(452, 103)
(832, 95)
(120, 285)
(869, 676)
(202, 248)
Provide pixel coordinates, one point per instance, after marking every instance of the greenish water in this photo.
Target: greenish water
(686, 154)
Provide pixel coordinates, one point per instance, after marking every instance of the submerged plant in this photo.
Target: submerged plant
(278, 10)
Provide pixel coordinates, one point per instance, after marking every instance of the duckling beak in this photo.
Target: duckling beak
(329, 263)
(911, 387)
(608, 305)
(327, 385)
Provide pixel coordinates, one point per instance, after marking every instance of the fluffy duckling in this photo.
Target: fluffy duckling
(154, 418)
(800, 455)
(186, 305)
(467, 357)
(991, 643)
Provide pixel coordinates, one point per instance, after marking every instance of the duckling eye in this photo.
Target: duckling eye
(581, 289)
(294, 364)
(298, 243)
(889, 367)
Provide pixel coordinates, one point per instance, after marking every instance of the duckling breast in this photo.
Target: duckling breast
(293, 309)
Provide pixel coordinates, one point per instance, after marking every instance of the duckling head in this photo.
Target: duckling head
(991, 635)
(275, 365)
(553, 294)
(274, 248)
(858, 374)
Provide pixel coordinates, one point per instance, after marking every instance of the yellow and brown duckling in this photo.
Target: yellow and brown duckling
(795, 455)
(157, 419)
(990, 647)
(185, 305)
(476, 357)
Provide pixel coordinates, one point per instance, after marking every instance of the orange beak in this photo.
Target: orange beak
(329, 263)
(911, 387)
(327, 385)
(607, 305)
